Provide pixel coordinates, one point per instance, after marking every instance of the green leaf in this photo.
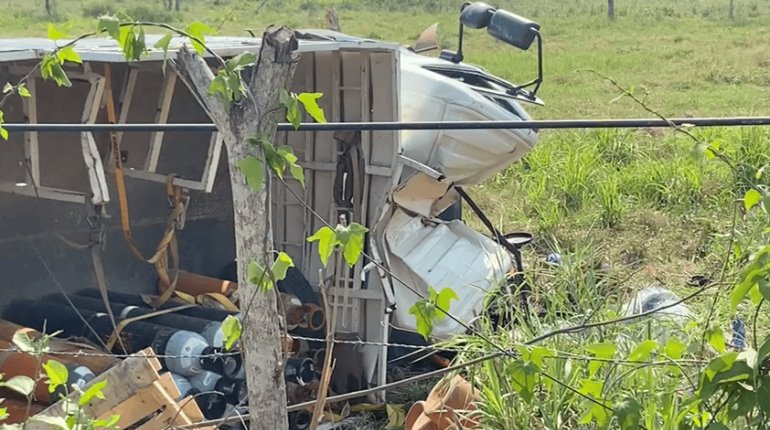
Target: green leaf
(327, 240)
(603, 350)
(50, 68)
(24, 342)
(240, 62)
(3, 130)
(674, 349)
(763, 395)
(310, 102)
(763, 352)
(3, 414)
(352, 240)
(751, 199)
(642, 351)
(423, 312)
(232, 329)
(219, 87)
(764, 288)
(593, 388)
(54, 33)
(628, 411)
(538, 354)
(23, 90)
(281, 266)
(273, 158)
(109, 24)
(132, 41)
(258, 276)
(57, 374)
(444, 300)
(297, 173)
(739, 293)
(21, 384)
(7, 88)
(110, 423)
(51, 420)
(289, 101)
(254, 171)
(199, 30)
(524, 379)
(68, 54)
(716, 338)
(162, 44)
(94, 390)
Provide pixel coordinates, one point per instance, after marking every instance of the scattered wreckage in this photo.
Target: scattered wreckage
(406, 187)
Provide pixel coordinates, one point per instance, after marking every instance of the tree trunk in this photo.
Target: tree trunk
(260, 341)
(48, 7)
(176, 5)
(611, 9)
(731, 11)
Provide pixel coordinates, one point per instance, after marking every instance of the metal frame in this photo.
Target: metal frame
(163, 109)
(91, 156)
(549, 124)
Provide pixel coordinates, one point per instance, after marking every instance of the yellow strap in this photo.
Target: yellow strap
(160, 258)
(121, 325)
(221, 298)
(185, 297)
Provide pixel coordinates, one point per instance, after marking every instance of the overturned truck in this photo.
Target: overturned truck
(406, 187)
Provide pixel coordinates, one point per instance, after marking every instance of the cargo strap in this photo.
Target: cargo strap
(178, 201)
(125, 322)
(96, 244)
(199, 299)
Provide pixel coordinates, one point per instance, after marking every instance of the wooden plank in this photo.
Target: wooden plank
(161, 117)
(171, 412)
(212, 162)
(91, 156)
(123, 381)
(191, 409)
(168, 384)
(141, 405)
(31, 142)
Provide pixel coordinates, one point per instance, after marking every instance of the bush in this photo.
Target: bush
(147, 13)
(98, 8)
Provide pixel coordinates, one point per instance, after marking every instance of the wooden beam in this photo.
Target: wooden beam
(161, 117)
(123, 381)
(31, 147)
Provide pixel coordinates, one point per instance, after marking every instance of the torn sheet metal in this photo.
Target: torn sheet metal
(442, 255)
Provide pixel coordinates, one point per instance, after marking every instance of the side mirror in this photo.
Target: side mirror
(513, 29)
(476, 15)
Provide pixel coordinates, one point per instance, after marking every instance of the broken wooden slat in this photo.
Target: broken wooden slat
(132, 374)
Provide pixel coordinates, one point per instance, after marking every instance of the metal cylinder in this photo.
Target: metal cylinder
(233, 390)
(210, 330)
(19, 363)
(213, 405)
(187, 353)
(92, 358)
(300, 420)
(184, 386)
(195, 284)
(136, 300)
(298, 314)
(299, 371)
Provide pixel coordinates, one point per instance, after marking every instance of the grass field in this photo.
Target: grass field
(636, 200)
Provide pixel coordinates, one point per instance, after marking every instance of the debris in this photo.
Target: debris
(447, 406)
(138, 393)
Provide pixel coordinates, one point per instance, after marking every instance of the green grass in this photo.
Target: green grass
(636, 202)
